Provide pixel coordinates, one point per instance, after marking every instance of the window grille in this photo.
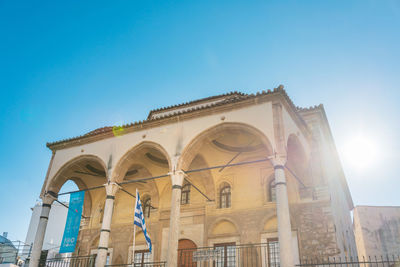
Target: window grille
(228, 255)
(147, 207)
(225, 196)
(272, 191)
(185, 195)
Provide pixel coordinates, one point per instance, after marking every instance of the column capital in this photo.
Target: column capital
(278, 160)
(111, 188)
(177, 177)
(49, 197)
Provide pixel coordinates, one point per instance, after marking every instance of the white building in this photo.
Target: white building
(55, 227)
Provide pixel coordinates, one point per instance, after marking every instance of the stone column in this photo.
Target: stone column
(172, 255)
(41, 229)
(283, 214)
(111, 190)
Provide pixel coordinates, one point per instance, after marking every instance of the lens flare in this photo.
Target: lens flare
(361, 153)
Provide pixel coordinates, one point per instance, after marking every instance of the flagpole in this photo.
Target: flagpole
(134, 230)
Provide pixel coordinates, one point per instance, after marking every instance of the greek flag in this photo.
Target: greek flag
(139, 219)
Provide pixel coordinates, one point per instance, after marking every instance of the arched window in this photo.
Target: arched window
(147, 207)
(185, 195)
(225, 196)
(272, 191)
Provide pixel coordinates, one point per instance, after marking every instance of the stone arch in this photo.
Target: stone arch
(271, 224)
(189, 152)
(62, 175)
(297, 159)
(136, 158)
(295, 149)
(223, 226)
(207, 179)
(122, 165)
(269, 218)
(72, 171)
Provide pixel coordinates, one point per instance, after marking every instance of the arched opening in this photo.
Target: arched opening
(186, 248)
(221, 145)
(144, 160)
(80, 173)
(224, 227)
(68, 186)
(298, 166)
(86, 171)
(297, 160)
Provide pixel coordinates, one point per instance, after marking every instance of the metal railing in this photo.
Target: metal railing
(371, 261)
(79, 261)
(230, 255)
(144, 264)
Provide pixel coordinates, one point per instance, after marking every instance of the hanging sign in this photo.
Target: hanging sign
(73, 222)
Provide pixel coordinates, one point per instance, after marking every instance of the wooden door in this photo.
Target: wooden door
(186, 248)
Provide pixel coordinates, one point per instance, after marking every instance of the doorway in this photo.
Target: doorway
(186, 248)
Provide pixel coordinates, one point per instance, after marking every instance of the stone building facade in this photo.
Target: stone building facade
(224, 171)
(377, 231)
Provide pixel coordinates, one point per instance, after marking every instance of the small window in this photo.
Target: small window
(147, 207)
(273, 252)
(141, 258)
(225, 196)
(228, 255)
(272, 191)
(185, 195)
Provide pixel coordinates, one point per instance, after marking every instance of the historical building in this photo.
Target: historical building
(251, 176)
(377, 231)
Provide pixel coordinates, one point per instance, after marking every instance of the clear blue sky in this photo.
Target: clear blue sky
(68, 67)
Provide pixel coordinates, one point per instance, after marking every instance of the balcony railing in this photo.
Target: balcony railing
(374, 261)
(144, 264)
(230, 255)
(80, 261)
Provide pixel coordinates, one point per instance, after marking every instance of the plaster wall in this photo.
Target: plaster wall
(377, 230)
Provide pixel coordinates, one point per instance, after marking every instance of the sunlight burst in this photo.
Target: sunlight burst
(361, 152)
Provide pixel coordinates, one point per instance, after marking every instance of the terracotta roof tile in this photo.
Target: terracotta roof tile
(232, 97)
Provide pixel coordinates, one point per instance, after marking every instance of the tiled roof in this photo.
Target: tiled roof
(163, 109)
(232, 97)
(99, 130)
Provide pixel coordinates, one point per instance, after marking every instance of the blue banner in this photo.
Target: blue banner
(73, 222)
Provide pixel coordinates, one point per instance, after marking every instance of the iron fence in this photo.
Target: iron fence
(374, 261)
(231, 255)
(78, 261)
(144, 264)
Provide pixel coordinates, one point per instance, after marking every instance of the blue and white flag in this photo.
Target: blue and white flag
(139, 219)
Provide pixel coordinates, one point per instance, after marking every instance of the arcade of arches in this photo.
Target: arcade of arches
(283, 197)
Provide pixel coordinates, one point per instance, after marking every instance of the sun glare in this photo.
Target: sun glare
(361, 152)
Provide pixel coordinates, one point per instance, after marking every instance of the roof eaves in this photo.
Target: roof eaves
(239, 97)
(192, 102)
